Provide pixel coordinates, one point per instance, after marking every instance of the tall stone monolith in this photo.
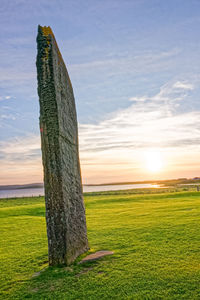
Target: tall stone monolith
(65, 212)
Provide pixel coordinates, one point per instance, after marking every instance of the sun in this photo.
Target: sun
(153, 161)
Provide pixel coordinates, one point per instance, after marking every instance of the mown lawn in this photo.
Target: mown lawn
(155, 239)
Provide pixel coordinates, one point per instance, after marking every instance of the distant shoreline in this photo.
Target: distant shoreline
(161, 182)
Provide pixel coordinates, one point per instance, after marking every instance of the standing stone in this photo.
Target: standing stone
(65, 212)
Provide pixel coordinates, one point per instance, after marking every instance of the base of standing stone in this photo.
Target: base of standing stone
(96, 255)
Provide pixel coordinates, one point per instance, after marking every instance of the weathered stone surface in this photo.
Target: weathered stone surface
(65, 212)
(96, 255)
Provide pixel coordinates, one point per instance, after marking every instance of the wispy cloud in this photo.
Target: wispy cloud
(170, 92)
(20, 146)
(20, 160)
(117, 144)
(138, 63)
(5, 98)
(7, 117)
(150, 122)
(183, 85)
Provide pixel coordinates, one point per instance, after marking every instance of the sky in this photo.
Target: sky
(135, 71)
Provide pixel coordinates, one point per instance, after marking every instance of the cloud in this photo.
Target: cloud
(148, 61)
(148, 122)
(20, 160)
(23, 146)
(133, 129)
(117, 145)
(183, 85)
(5, 98)
(114, 148)
(7, 117)
(171, 92)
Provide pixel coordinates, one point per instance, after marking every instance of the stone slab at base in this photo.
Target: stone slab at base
(96, 255)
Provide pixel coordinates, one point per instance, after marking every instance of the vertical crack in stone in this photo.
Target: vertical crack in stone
(65, 211)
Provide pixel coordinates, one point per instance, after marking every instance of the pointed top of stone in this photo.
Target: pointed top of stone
(46, 30)
(47, 33)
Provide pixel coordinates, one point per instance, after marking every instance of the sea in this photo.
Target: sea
(33, 192)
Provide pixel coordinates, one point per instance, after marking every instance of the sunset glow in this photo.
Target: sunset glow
(153, 161)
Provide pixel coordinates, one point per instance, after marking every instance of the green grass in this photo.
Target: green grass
(155, 239)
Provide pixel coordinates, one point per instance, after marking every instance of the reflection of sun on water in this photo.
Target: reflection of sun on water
(153, 161)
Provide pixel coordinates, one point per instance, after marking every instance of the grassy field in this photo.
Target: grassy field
(155, 238)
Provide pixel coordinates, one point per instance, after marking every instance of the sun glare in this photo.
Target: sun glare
(153, 161)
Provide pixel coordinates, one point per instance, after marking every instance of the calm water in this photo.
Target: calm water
(93, 188)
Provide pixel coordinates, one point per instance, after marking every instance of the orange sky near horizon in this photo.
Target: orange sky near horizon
(110, 166)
